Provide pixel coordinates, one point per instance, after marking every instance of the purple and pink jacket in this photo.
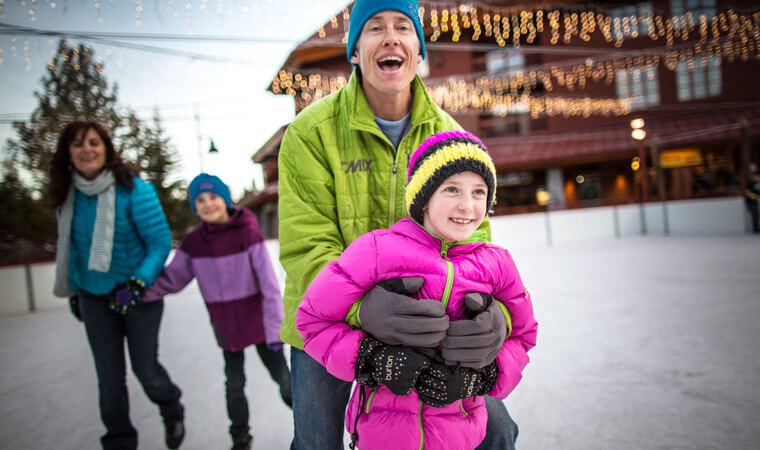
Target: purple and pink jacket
(235, 276)
(450, 271)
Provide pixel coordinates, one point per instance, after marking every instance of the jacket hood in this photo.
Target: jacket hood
(239, 217)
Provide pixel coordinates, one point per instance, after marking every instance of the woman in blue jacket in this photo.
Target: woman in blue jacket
(113, 239)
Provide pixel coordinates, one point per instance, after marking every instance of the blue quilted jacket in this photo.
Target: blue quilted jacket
(142, 240)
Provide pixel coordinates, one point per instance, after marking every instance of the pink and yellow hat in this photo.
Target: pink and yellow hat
(441, 156)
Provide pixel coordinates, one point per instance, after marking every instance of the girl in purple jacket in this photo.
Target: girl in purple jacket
(426, 398)
(226, 253)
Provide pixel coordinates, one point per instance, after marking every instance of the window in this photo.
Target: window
(639, 86)
(703, 80)
(504, 61)
(501, 62)
(622, 24)
(697, 7)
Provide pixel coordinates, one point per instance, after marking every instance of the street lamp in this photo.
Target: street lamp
(212, 148)
(638, 133)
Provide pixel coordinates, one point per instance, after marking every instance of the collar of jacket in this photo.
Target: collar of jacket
(362, 118)
(238, 217)
(414, 230)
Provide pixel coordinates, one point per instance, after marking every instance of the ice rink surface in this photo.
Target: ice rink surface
(644, 343)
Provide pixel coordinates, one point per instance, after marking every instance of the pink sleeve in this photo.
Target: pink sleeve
(513, 356)
(319, 319)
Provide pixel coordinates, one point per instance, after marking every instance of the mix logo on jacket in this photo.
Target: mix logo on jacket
(362, 165)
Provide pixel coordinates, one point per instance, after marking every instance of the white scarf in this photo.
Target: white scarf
(102, 235)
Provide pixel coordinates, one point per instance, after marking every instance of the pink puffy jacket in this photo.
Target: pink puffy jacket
(406, 249)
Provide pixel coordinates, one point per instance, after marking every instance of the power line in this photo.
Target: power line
(21, 30)
(7, 29)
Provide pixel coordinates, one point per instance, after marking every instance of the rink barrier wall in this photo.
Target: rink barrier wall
(29, 287)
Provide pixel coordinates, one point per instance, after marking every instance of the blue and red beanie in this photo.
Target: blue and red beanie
(441, 156)
(208, 183)
(364, 9)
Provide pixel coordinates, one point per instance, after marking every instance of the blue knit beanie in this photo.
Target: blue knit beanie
(364, 9)
(208, 183)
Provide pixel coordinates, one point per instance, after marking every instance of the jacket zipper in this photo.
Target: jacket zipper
(422, 430)
(396, 153)
(404, 174)
(449, 274)
(392, 206)
(445, 300)
(369, 400)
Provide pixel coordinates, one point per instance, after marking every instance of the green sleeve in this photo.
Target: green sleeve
(352, 317)
(507, 316)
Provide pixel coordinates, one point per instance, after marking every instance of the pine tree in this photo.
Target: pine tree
(147, 147)
(73, 88)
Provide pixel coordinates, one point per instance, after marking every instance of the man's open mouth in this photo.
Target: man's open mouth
(390, 63)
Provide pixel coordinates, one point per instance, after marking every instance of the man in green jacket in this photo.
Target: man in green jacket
(342, 168)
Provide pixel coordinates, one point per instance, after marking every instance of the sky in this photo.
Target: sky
(229, 97)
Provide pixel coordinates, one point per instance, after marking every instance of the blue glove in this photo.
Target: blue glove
(127, 296)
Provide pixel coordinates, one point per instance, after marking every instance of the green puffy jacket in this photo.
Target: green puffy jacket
(340, 177)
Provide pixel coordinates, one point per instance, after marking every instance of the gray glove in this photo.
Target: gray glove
(476, 342)
(388, 313)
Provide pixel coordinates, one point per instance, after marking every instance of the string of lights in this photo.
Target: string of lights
(455, 95)
(238, 7)
(503, 92)
(523, 24)
(730, 34)
(513, 24)
(576, 73)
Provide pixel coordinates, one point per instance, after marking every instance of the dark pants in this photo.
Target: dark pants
(106, 331)
(319, 406)
(234, 369)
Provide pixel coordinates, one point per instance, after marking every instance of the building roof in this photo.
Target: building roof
(599, 143)
(271, 147)
(254, 199)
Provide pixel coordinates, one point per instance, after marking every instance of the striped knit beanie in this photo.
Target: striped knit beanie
(441, 156)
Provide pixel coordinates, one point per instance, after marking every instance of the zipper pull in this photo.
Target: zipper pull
(394, 165)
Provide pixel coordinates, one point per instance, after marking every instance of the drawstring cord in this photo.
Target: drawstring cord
(362, 402)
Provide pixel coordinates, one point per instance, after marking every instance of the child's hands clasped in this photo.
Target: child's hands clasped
(395, 367)
(476, 342)
(441, 384)
(388, 313)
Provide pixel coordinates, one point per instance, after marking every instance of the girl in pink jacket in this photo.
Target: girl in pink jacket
(411, 398)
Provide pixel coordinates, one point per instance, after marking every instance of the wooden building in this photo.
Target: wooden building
(553, 88)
